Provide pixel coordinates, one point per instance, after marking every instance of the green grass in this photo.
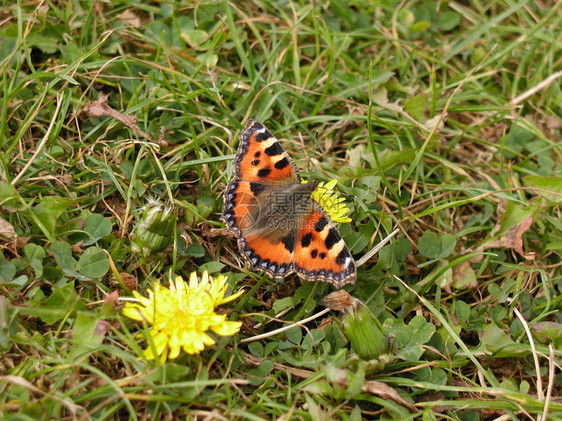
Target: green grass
(442, 119)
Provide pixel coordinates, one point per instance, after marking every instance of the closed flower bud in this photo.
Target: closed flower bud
(155, 230)
(360, 326)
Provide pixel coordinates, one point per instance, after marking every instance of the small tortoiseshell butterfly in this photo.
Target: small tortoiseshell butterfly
(280, 228)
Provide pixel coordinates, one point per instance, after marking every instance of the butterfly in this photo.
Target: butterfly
(280, 228)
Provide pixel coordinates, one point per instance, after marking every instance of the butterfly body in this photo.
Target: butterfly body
(281, 229)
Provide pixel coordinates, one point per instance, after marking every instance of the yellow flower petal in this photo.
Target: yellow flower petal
(227, 328)
(182, 315)
(331, 201)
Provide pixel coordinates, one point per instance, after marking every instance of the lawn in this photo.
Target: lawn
(441, 124)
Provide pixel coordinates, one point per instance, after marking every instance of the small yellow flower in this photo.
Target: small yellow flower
(330, 200)
(182, 315)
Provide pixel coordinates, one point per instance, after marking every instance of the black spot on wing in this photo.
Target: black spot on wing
(264, 172)
(257, 188)
(342, 256)
(332, 238)
(322, 255)
(257, 154)
(322, 222)
(289, 242)
(274, 149)
(260, 137)
(281, 163)
(255, 162)
(306, 239)
(314, 253)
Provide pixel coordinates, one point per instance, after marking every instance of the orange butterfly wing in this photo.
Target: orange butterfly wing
(321, 254)
(261, 166)
(301, 239)
(261, 158)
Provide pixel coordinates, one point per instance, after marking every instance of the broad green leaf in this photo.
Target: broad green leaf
(448, 20)
(206, 205)
(497, 313)
(71, 51)
(438, 376)
(509, 384)
(464, 276)
(282, 304)
(256, 348)
(194, 250)
(495, 340)
(191, 213)
(433, 375)
(35, 254)
(389, 158)
(380, 77)
(318, 387)
(434, 247)
(294, 335)
(37, 266)
(516, 139)
(20, 280)
(356, 381)
(7, 269)
(402, 248)
(418, 106)
(258, 374)
(312, 339)
(405, 17)
(428, 415)
(8, 196)
(443, 279)
(462, 311)
(366, 188)
(97, 226)
(448, 243)
(93, 263)
(63, 255)
(208, 60)
(195, 37)
(549, 187)
(270, 347)
(9, 322)
(420, 26)
(64, 300)
(211, 267)
(47, 45)
(547, 332)
(410, 338)
(357, 241)
(49, 209)
(514, 215)
(87, 332)
(429, 245)
(385, 258)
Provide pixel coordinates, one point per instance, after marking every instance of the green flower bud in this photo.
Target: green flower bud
(155, 230)
(365, 332)
(361, 327)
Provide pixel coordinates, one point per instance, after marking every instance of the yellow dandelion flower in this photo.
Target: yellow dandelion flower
(331, 201)
(182, 315)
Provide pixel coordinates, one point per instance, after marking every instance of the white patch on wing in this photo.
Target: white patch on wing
(268, 142)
